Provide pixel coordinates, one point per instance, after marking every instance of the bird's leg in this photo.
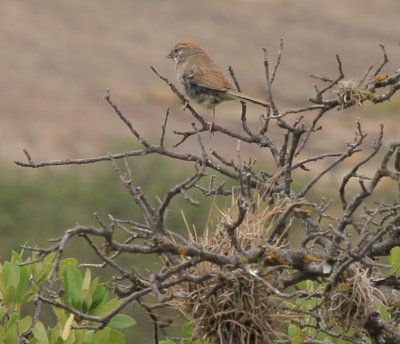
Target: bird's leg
(185, 104)
(212, 124)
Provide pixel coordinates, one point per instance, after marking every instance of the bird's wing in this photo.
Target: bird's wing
(207, 74)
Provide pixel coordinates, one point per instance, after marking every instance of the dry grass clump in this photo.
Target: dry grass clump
(233, 306)
(349, 93)
(352, 301)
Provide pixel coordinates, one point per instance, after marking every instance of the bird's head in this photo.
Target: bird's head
(181, 51)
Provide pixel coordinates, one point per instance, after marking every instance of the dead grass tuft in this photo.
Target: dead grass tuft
(232, 306)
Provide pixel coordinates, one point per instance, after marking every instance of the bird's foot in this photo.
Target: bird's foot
(185, 104)
(211, 129)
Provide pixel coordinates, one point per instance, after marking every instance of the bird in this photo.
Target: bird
(203, 81)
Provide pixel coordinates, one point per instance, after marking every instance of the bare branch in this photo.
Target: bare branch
(275, 235)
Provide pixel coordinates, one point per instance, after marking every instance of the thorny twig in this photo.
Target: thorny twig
(325, 255)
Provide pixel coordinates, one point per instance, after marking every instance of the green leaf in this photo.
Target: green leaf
(34, 289)
(116, 337)
(99, 297)
(395, 260)
(89, 335)
(67, 329)
(186, 330)
(2, 332)
(102, 336)
(10, 274)
(107, 307)
(72, 286)
(121, 321)
(50, 257)
(41, 270)
(3, 310)
(73, 338)
(65, 262)
(15, 258)
(55, 334)
(11, 334)
(10, 295)
(384, 310)
(86, 280)
(39, 332)
(306, 285)
(86, 295)
(86, 299)
(24, 324)
(61, 315)
(12, 320)
(294, 333)
(93, 285)
(24, 284)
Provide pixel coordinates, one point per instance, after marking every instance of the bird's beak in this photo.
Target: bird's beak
(169, 56)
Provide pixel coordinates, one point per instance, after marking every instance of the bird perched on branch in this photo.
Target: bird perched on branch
(203, 80)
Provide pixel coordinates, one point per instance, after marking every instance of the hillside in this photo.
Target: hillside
(58, 58)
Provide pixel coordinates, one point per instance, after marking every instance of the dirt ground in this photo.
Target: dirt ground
(59, 57)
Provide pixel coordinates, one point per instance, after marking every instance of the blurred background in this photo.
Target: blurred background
(59, 57)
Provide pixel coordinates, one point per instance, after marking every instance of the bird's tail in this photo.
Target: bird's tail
(247, 98)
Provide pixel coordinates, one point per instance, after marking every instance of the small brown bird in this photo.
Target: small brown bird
(203, 80)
